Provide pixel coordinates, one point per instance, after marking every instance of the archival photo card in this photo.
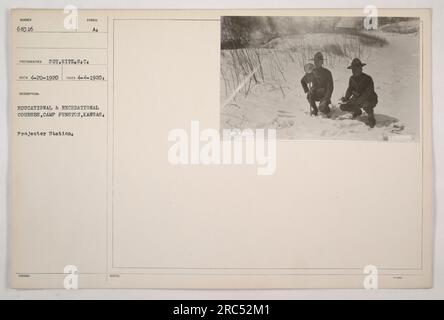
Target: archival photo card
(120, 177)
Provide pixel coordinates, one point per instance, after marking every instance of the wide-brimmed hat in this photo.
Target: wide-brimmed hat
(356, 63)
(318, 56)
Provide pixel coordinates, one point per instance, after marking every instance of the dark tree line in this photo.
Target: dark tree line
(252, 32)
(241, 32)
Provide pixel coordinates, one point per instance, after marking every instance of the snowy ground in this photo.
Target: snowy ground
(278, 101)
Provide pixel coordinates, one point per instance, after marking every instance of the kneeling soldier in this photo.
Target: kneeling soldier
(321, 86)
(360, 93)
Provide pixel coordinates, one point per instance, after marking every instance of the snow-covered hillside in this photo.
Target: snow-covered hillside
(265, 91)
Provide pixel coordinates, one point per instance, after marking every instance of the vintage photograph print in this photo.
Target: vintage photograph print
(322, 78)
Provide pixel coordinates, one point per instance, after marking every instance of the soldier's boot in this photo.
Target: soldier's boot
(356, 113)
(313, 109)
(350, 107)
(371, 118)
(324, 108)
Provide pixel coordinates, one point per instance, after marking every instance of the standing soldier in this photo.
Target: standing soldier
(322, 86)
(360, 93)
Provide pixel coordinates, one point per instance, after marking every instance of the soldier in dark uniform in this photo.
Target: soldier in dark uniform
(360, 93)
(321, 82)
